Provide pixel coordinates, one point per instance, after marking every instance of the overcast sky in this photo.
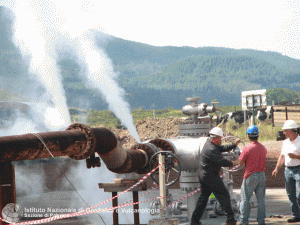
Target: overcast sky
(270, 25)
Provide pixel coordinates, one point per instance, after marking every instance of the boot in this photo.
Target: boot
(194, 223)
(230, 222)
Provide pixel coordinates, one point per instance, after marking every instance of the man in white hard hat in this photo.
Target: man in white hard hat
(211, 161)
(290, 156)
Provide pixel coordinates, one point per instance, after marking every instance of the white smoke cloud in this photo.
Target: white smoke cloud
(36, 37)
(101, 76)
(41, 25)
(20, 126)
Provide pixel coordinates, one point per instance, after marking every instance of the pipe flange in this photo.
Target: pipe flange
(154, 150)
(90, 143)
(150, 150)
(148, 147)
(163, 144)
(153, 147)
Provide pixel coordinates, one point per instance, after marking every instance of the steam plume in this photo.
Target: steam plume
(42, 25)
(34, 34)
(101, 76)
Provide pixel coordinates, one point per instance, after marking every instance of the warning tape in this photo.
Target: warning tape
(153, 189)
(126, 204)
(88, 211)
(198, 189)
(133, 186)
(81, 213)
(162, 168)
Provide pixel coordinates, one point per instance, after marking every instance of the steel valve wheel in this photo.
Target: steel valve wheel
(234, 154)
(171, 164)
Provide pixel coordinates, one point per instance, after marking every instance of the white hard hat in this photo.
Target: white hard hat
(289, 124)
(216, 131)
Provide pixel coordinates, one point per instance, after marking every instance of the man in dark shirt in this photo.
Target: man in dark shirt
(211, 161)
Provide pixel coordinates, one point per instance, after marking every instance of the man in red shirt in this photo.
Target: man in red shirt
(254, 158)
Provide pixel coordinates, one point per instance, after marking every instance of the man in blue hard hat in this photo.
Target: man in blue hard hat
(253, 157)
(290, 157)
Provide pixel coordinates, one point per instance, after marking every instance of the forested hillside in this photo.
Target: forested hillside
(156, 77)
(165, 77)
(219, 77)
(161, 77)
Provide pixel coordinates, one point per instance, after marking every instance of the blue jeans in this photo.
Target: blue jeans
(292, 185)
(256, 182)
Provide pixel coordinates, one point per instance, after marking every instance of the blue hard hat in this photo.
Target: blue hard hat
(252, 131)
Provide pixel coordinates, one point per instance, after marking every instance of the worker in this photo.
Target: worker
(211, 161)
(290, 156)
(253, 157)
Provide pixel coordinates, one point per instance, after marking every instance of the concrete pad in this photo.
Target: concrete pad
(278, 209)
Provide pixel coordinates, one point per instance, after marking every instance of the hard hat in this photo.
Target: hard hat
(216, 131)
(252, 131)
(289, 124)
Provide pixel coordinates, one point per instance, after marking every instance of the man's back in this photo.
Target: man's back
(211, 159)
(254, 155)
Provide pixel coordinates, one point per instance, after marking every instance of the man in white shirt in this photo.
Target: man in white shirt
(290, 156)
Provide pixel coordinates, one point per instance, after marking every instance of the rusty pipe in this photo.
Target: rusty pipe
(78, 142)
(136, 159)
(120, 160)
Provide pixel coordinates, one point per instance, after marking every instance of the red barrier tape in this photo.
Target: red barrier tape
(133, 186)
(141, 195)
(184, 197)
(88, 211)
(63, 216)
(162, 169)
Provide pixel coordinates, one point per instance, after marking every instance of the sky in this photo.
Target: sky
(269, 25)
(263, 25)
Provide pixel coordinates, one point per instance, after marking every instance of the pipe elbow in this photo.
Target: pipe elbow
(115, 157)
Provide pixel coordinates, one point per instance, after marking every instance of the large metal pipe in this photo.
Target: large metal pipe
(186, 148)
(78, 142)
(119, 160)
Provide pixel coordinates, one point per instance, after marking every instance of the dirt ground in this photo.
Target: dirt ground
(168, 128)
(149, 129)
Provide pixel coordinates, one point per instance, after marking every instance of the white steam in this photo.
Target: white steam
(42, 25)
(21, 126)
(101, 76)
(34, 34)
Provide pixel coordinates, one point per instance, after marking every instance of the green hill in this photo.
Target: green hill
(155, 77)
(162, 77)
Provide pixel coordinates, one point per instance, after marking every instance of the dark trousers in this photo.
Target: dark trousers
(212, 183)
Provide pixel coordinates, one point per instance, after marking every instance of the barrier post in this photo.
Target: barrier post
(162, 185)
(115, 213)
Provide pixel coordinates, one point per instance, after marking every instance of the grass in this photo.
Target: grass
(266, 131)
(155, 113)
(95, 118)
(107, 118)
